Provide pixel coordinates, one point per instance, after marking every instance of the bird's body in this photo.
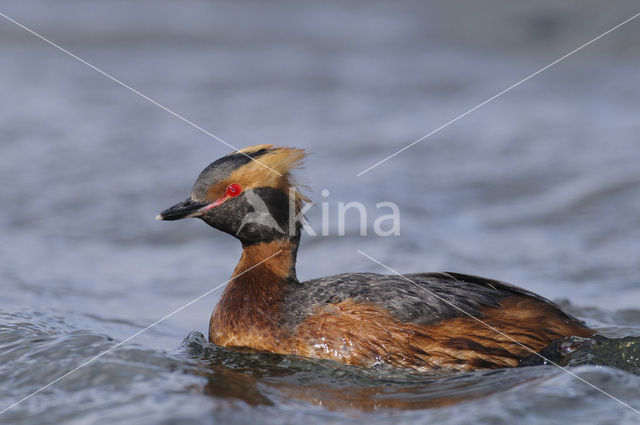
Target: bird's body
(421, 321)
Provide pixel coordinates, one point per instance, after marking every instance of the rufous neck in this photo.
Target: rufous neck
(252, 301)
(275, 258)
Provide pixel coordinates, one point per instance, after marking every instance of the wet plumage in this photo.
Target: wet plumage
(422, 321)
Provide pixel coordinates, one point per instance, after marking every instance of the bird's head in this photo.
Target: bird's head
(249, 194)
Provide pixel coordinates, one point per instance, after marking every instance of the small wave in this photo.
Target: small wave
(269, 379)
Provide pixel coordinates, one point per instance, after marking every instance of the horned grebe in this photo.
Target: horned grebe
(360, 319)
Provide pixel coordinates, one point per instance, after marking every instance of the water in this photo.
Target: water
(539, 188)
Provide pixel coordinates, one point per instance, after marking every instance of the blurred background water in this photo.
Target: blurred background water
(540, 188)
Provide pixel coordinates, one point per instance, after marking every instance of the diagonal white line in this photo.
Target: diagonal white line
(499, 94)
(91, 360)
(114, 79)
(499, 332)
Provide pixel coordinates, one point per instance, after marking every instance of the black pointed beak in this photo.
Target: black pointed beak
(188, 208)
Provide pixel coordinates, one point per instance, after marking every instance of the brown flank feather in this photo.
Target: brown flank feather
(363, 335)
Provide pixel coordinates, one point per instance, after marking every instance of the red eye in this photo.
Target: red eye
(233, 189)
